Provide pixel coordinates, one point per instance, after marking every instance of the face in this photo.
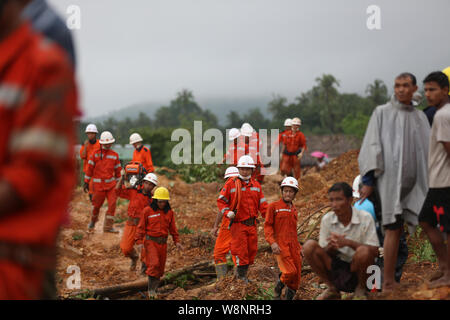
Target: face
(288, 128)
(435, 95)
(107, 146)
(91, 135)
(245, 172)
(148, 186)
(288, 193)
(295, 127)
(339, 202)
(161, 204)
(137, 145)
(404, 89)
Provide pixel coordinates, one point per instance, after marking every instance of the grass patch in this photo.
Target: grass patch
(262, 294)
(421, 248)
(185, 230)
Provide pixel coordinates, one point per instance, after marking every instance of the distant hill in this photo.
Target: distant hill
(219, 106)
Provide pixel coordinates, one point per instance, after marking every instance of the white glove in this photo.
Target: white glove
(231, 215)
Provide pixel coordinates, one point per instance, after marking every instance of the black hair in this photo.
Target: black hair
(344, 187)
(154, 206)
(439, 77)
(408, 75)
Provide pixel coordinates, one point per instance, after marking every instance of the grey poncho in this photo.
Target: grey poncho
(395, 146)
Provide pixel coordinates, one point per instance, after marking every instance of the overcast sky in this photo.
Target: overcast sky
(146, 50)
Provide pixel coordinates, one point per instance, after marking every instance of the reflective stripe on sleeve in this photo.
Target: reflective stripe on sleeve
(92, 163)
(224, 198)
(255, 189)
(262, 200)
(224, 209)
(41, 140)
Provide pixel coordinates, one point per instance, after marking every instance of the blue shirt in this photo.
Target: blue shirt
(367, 206)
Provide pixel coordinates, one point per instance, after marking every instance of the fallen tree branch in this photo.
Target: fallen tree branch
(140, 285)
(309, 217)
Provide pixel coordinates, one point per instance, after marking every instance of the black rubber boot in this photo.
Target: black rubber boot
(153, 284)
(143, 268)
(242, 273)
(278, 290)
(290, 294)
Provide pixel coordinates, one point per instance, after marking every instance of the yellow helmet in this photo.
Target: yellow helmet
(447, 72)
(161, 193)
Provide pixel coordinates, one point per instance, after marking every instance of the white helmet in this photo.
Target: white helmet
(246, 162)
(151, 177)
(233, 134)
(231, 172)
(247, 130)
(288, 122)
(290, 182)
(135, 137)
(356, 184)
(296, 122)
(91, 128)
(106, 138)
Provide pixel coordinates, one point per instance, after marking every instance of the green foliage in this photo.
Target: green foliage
(421, 248)
(185, 230)
(262, 294)
(77, 236)
(323, 110)
(83, 295)
(119, 219)
(200, 172)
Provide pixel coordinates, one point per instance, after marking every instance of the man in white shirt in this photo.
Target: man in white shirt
(348, 244)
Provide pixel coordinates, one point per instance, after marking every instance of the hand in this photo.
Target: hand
(122, 172)
(338, 240)
(213, 231)
(275, 248)
(139, 247)
(180, 246)
(300, 156)
(231, 215)
(86, 142)
(365, 192)
(86, 187)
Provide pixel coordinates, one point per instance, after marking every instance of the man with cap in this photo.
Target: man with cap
(240, 200)
(104, 170)
(280, 230)
(294, 147)
(139, 198)
(222, 245)
(235, 151)
(91, 144)
(141, 153)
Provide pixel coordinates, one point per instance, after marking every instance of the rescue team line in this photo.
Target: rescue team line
(232, 309)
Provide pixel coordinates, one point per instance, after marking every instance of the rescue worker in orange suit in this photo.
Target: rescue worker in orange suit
(280, 230)
(38, 104)
(223, 240)
(87, 149)
(251, 145)
(139, 198)
(294, 146)
(104, 169)
(141, 153)
(235, 151)
(287, 130)
(240, 200)
(158, 220)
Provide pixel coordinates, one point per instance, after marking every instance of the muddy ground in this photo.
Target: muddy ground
(102, 264)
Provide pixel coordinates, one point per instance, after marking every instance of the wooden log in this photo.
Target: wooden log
(141, 285)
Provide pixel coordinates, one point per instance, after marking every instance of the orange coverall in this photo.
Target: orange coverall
(293, 143)
(244, 238)
(223, 241)
(90, 149)
(104, 169)
(38, 103)
(156, 223)
(144, 156)
(138, 201)
(281, 227)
